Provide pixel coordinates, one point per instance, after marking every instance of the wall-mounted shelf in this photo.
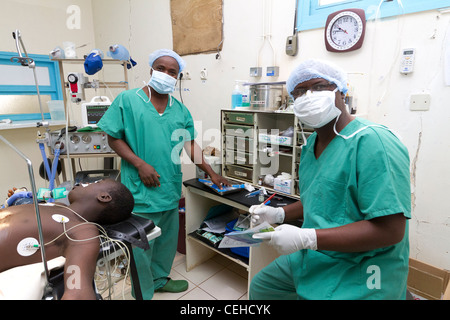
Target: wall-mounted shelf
(102, 84)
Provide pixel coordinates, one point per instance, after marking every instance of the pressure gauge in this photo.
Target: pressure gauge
(86, 138)
(76, 86)
(75, 139)
(72, 78)
(345, 30)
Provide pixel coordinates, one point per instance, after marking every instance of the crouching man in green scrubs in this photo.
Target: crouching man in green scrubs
(355, 202)
(148, 129)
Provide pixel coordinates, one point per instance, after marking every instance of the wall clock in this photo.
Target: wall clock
(345, 30)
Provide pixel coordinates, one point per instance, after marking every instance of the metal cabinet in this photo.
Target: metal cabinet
(258, 143)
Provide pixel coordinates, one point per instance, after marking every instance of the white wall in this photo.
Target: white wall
(382, 92)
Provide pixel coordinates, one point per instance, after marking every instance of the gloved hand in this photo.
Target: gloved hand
(287, 239)
(266, 213)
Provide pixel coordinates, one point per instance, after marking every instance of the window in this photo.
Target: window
(18, 94)
(312, 14)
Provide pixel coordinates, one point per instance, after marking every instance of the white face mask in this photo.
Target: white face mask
(316, 109)
(162, 82)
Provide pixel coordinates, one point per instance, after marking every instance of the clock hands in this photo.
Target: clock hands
(342, 29)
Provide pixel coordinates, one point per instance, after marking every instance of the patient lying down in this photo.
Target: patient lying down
(105, 202)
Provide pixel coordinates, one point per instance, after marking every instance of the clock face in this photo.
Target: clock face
(72, 78)
(344, 31)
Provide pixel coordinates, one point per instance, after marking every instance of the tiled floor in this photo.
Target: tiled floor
(216, 279)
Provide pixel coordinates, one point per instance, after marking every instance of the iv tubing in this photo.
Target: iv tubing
(54, 168)
(267, 15)
(44, 158)
(51, 173)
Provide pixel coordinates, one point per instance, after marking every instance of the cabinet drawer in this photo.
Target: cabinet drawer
(239, 117)
(239, 157)
(239, 143)
(238, 130)
(239, 172)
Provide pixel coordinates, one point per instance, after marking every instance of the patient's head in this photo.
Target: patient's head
(112, 201)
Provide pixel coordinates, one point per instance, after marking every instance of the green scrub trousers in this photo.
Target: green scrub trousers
(158, 140)
(361, 178)
(152, 264)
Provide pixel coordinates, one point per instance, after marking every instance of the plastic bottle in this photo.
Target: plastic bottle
(261, 195)
(236, 97)
(246, 96)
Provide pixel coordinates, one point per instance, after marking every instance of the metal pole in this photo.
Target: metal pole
(38, 92)
(36, 206)
(27, 62)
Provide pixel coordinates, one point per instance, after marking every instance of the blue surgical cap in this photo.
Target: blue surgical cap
(313, 69)
(169, 53)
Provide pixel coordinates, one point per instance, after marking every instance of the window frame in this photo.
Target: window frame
(310, 15)
(54, 90)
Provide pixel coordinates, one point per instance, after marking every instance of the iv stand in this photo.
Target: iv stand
(26, 61)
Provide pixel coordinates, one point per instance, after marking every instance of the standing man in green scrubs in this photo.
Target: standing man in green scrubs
(148, 129)
(355, 202)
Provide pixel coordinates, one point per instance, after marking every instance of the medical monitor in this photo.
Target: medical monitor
(93, 111)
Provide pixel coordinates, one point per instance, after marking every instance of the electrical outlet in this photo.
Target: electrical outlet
(420, 102)
(186, 75)
(204, 74)
(255, 72)
(273, 71)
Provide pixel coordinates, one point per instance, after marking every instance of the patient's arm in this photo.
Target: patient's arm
(81, 258)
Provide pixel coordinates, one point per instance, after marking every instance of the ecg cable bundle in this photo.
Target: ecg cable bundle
(106, 243)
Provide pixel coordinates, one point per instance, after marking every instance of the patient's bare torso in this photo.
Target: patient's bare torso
(19, 222)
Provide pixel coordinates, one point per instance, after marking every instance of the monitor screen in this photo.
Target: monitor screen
(95, 113)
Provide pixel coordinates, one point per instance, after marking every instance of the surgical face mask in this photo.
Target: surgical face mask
(316, 109)
(162, 82)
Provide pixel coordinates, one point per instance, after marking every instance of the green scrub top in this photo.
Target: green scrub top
(361, 178)
(156, 139)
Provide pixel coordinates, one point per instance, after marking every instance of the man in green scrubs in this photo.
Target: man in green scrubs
(148, 129)
(355, 202)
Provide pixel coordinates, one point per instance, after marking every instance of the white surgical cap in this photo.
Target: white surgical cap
(313, 69)
(169, 53)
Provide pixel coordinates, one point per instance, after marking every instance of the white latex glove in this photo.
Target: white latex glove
(287, 239)
(266, 213)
